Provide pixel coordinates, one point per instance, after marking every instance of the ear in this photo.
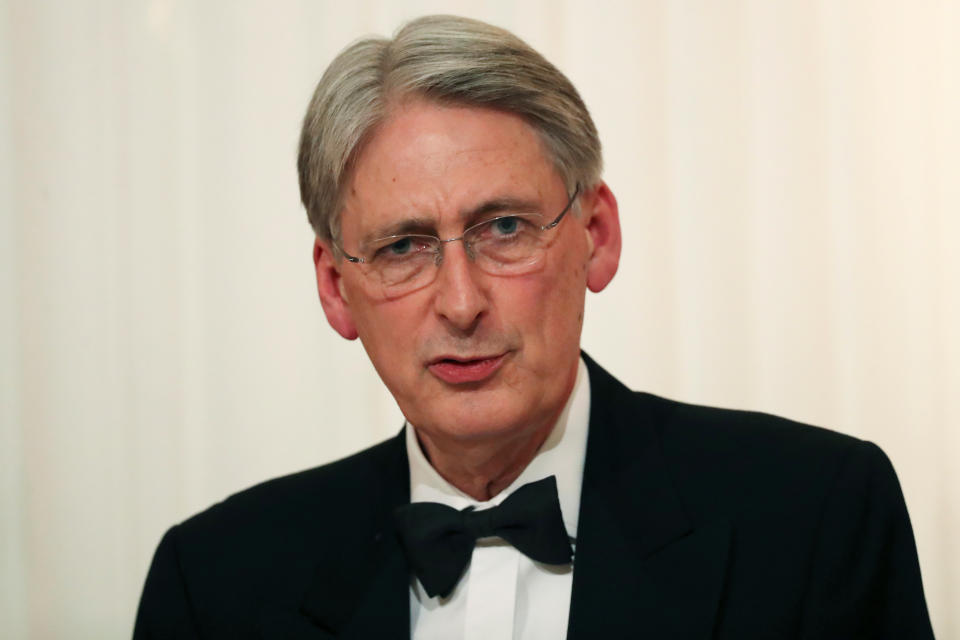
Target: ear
(601, 218)
(330, 287)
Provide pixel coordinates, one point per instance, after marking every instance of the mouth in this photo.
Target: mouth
(464, 370)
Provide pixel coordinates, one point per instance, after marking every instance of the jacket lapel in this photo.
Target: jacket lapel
(641, 565)
(362, 591)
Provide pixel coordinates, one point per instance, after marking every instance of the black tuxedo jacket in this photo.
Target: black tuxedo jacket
(694, 523)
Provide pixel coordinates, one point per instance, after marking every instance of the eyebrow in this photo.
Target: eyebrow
(421, 226)
(499, 206)
(428, 226)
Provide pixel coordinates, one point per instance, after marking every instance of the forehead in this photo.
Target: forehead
(428, 160)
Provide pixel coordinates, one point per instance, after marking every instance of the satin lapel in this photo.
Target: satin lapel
(363, 590)
(641, 567)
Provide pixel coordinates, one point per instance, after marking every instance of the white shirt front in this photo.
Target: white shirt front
(503, 595)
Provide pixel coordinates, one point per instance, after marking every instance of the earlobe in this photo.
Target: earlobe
(602, 219)
(331, 289)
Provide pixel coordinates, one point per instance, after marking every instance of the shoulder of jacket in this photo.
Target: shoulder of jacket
(335, 487)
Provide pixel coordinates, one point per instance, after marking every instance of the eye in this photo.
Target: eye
(506, 226)
(401, 247)
(505, 229)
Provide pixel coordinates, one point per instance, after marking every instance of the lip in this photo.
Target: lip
(464, 370)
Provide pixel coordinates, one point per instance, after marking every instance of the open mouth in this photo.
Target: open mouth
(457, 370)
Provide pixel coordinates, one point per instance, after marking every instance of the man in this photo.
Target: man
(452, 177)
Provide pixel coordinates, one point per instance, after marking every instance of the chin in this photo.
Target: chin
(478, 418)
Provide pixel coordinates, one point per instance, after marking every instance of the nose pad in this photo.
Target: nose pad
(467, 249)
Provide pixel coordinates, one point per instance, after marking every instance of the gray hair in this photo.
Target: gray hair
(450, 60)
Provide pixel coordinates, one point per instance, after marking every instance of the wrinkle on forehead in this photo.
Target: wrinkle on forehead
(421, 164)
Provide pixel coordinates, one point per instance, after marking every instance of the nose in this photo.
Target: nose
(459, 300)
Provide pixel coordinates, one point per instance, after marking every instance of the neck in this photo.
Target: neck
(484, 469)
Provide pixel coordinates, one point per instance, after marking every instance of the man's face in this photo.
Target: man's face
(471, 355)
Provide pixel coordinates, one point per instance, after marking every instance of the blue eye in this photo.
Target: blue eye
(506, 226)
(400, 247)
(403, 248)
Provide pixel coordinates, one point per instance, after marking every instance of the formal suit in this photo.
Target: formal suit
(694, 523)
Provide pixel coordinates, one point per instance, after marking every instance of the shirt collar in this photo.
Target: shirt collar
(561, 455)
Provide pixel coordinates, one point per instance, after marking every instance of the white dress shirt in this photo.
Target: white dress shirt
(503, 595)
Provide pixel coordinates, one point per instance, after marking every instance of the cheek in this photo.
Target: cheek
(552, 303)
(387, 329)
(568, 295)
(390, 343)
(390, 327)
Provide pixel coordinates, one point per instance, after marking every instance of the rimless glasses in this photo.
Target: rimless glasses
(512, 244)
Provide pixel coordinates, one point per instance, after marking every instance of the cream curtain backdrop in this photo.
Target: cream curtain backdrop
(788, 179)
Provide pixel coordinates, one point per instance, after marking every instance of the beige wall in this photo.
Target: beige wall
(788, 179)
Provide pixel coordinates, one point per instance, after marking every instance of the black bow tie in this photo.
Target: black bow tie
(439, 540)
